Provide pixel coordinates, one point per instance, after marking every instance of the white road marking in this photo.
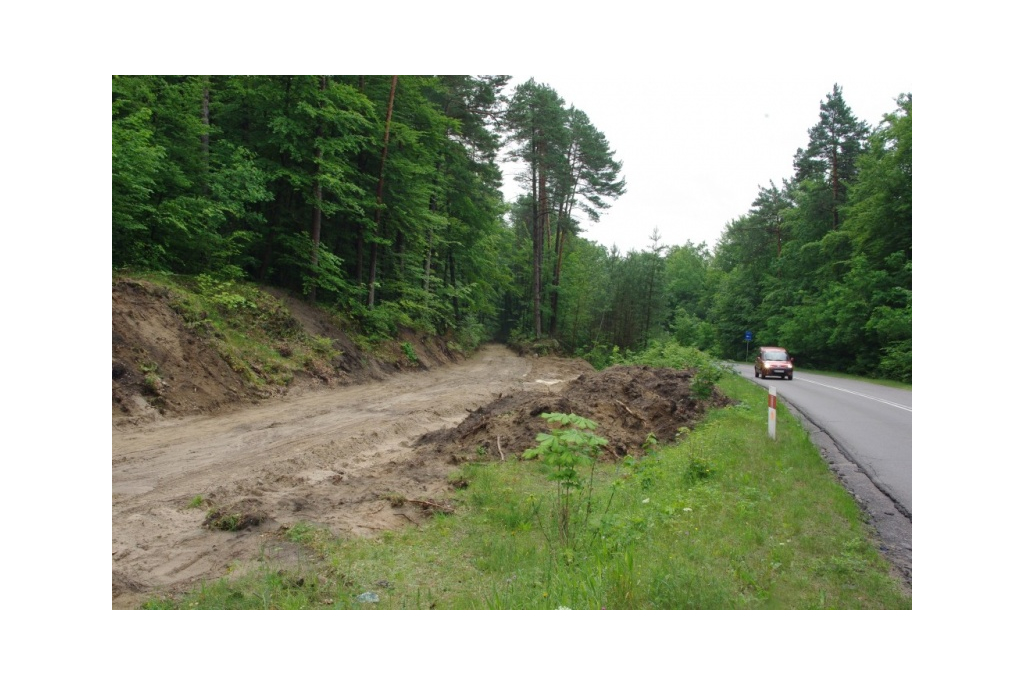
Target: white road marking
(859, 394)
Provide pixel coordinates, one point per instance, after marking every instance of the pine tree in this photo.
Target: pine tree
(836, 142)
(537, 120)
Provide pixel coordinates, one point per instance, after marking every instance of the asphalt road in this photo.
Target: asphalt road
(864, 431)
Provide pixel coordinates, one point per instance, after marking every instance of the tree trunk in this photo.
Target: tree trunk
(561, 236)
(538, 257)
(204, 139)
(426, 264)
(314, 230)
(268, 243)
(430, 229)
(455, 296)
(400, 252)
(835, 188)
(318, 197)
(562, 222)
(380, 191)
(268, 252)
(541, 232)
(373, 272)
(359, 256)
(556, 279)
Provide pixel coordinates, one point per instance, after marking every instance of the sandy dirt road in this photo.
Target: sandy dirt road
(327, 457)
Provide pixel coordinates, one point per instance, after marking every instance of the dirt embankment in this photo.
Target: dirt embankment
(148, 332)
(332, 452)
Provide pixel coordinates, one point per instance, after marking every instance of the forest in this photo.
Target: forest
(380, 197)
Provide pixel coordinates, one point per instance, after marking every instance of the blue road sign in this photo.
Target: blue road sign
(749, 336)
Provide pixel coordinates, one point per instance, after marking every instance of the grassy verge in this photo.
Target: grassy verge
(724, 519)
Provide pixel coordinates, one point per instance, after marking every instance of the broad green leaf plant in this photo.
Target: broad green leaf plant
(569, 447)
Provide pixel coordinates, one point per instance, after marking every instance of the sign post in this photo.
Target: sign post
(771, 411)
(748, 337)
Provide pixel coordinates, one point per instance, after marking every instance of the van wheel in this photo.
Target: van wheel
(755, 372)
(789, 377)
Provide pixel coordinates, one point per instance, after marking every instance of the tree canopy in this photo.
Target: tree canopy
(380, 196)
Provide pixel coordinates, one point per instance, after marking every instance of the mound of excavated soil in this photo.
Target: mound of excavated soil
(627, 402)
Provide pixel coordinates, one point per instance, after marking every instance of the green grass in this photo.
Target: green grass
(725, 519)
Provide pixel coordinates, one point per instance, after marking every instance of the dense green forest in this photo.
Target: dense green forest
(380, 197)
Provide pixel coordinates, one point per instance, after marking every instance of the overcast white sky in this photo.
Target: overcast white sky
(695, 147)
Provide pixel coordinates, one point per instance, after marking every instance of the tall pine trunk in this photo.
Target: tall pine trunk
(380, 191)
(562, 223)
(538, 256)
(835, 188)
(556, 279)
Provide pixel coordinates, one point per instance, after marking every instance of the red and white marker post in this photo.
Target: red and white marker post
(771, 411)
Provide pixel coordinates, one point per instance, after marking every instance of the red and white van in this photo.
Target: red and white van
(773, 361)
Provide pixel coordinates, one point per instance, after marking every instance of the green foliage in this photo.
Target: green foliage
(601, 356)
(152, 382)
(569, 447)
(469, 336)
(410, 353)
(382, 322)
(707, 371)
(136, 162)
(279, 184)
(223, 294)
(326, 276)
(178, 204)
(650, 443)
(690, 331)
(698, 468)
(897, 362)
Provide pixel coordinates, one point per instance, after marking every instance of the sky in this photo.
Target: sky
(695, 148)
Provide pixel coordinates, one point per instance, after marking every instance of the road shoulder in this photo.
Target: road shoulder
(893, 527)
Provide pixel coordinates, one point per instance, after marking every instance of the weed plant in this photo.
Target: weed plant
(725, 518)
(410, 353)
(569, 451)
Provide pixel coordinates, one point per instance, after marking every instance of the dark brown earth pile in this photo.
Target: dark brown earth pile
(627, 402)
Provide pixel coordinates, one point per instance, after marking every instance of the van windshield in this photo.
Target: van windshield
(775, 356)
